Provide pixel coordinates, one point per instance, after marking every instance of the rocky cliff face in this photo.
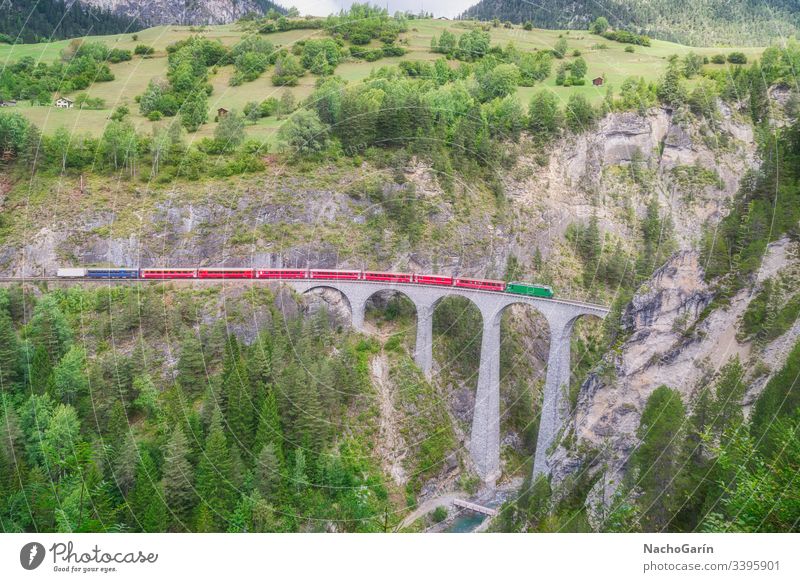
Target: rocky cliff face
(671, 342)
(284, 218)
(155, 12)
(692, 174)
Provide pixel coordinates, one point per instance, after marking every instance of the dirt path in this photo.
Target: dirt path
(431, 504)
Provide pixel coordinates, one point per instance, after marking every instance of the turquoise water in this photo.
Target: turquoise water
(465, 523)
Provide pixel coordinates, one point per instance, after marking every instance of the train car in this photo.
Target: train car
(168, 273)
(485, 284)
(530, 289)
(71, 273)
(112, 273)
(433, 280)
(337, 275)
(388, 277)
(281, 274)
(224, 273)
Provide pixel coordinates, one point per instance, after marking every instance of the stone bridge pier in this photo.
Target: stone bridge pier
(484, 445)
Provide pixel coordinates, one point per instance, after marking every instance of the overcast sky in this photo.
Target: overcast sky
(438, 7)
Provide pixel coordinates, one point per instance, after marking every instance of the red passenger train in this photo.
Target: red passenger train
(303, 274)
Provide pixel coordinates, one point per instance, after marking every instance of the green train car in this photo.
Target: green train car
(530, 289)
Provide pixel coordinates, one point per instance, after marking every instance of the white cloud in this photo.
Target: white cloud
(438, 7)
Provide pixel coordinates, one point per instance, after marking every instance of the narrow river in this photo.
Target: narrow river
(467, 522)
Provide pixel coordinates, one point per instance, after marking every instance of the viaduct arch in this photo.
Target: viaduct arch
(561, 316)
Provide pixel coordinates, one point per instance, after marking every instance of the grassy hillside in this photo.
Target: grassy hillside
(604, 58)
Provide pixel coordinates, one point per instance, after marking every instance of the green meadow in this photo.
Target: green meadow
(604, 58)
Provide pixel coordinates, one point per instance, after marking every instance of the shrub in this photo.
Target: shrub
(393, 50)
(268, 106)
(318, 54)
(737, 58)
(287, 71)
(118, 55)
(544, 116)
(143, 49)
(120, 112)
(229, 134)
(718, 59)
(560, 48)
(599, 26)
(579, 113)
(627, 37)
(83, 101)
(304, 133)
(439, 514)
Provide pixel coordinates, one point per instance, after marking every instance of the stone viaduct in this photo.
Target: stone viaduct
(561, 315)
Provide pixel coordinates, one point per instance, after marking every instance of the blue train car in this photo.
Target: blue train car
(112, 273)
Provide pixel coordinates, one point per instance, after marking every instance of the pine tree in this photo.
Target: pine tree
(191, 366)
(125, 462)
(146, 498)
(260, 369)
(9, 352)
(538, 262)
(269, 428)
(657, 238)
(147, 397)
(299, 476)
(49, 328)
(214, 479)
(69, 376)
(695, 480)
(671, 89)
(268, 469)
(12, 461)
(177, 481)
(41, 370)
(61, 442)
(35, 415)
(303, 408)
(727, 409)
(253, 514)
(657, 458)
(238, 471)
(205, 520)
(118, 428)
(40, 493)
(238, 403)
(539, 500)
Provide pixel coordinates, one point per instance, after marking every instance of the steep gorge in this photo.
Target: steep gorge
(330, 218)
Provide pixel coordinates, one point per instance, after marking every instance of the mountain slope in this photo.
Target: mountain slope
(27, 21)
(156, 12)
(707, 22)
(40, 20)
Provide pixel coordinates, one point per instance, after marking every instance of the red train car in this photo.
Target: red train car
(167, 273)
(281, 274)
(433, 280)
(388, 277)
(485, 284)
(223, 273)
(338, 275)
